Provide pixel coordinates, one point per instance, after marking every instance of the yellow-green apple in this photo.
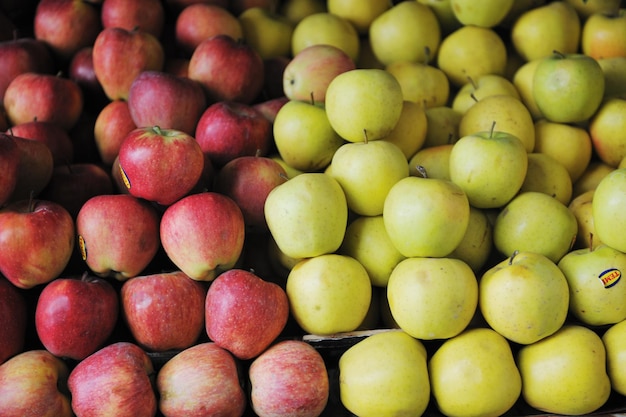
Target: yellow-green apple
(539, 31)
(291, 172)
(203, 234)
(445, 15)
(66, 26)
(74, 317)
(524, 297)
(421, 82)
(484, 86)
(435, 160)
(608, 219)
(547, 175)
(613, 340)
(307, 215)
(239, 6)
(34, 169)
(364, 104)
(267, 31)
(173, 297)
(157, 98)
(423, 297)
(52, 134)
(591, 177)
(248, 180)
(160, 165)
(614, 70)
(607, 128)
(25, 259)
(112, 124)
(603, 34)
(308, 73)
(522, 79)
(475, 373)
(329, 293)
(442, 126)
(582, 207)
(426, 216)
(201, 379)
(586, 8)
(118, 235)
(199, 21)
(229, 129)
(477, 244)
(408, 31)
(489, 166)
(360, 15)
(289, 379)
(326, 28)
(13, 320)
(487, 14)
(303, 136)
(148, 15)
(296, 10)
(114, 380)
(228, 69)
(244, 313)
(409, 133)
(565, 373)
(9, 161)
(471, 51)
(80, 70)
(45, 97)
(137, 49)
(20, 55)
(537, 222)
(398, 364)
(34, 383)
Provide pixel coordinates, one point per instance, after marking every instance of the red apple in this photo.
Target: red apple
(202, 380)
(289, 379)
(248, 180)
(9, 167)
(118, 235)
(147, 15)
(34, 384)
(229, 70)
(120, 55)
(244, 313)
(45, 97)
(160, 165)
(269, 108)
(35, 167)
(203, 234)
(158, 98)
(114, 381)
(227, 130)
(75, 316)
(112, 125)
(81, 71)
(36, 241)
(52, 134)
(173, 297)
(13, 320)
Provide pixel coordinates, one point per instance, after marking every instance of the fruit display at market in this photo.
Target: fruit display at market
(312, 208)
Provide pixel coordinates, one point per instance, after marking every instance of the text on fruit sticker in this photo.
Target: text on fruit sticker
(610, 277)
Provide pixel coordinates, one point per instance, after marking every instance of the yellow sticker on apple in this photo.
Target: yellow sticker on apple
(125, 178)
(82, 247)
(610, 277)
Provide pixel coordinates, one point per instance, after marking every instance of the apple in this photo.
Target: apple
(115, 380)
(239, 6)
(607, 217)
(326, 28)
(228, 69)
(269, 108)
(613, 340)
(9, 160)
(296, 10)
(602, 34)
(267, 31)
(52, 134)
(34, 383)
(289, 379)
(476, 247)
(148, 15)
(442, 125)
(358, 14)
(606, 128)
(614, 76)
(179, 5)
(173, 297)
(120, 55)
(80, 70)
(118, 235)
(435, 160)
(245, 314)
(582, 207)
(409, 134)
(421, 83)
(113, 123)
(549, 176)
(202, 379)
(591, 177)
(203, 234)
(34, 167)
(13, 320)
(486, 85)
(228, 129)
(487, 14)
(522, 79)
(45, 97)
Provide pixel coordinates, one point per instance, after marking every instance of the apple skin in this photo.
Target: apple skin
(52, 134)
(173, 297)
(34, 169)
(13, 320)
(269, 108)
(161, 99)
(112, 124)
(289, 379)
(228, 129)
(34, 383)
(603, 34)
(80, 70)
(9, 161)
(75, 316)
(114, 381)
(118, 235)
(149, 15)
(25, 259)
(229, 70)
(199, 381)
(203, 234)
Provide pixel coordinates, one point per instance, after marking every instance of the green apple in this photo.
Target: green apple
(361, 14)
(474, 374)
(426, 217)
(522, 79)
(486, 85)
(586, 8)
(366, 172)
(434, 159)
(329, 293)
(607, 128)
(487, 14)
(408, 31)
(591, 177)
(547, 175)
(445, 15)
(568, 88)
(614, 339)
(296, 10)
(442, 125)
(603, 34)
(409, 134)
(432, 298)
(597, 292)
(582, 207)
(609, 217)
(364, 104)
(525, 297)
(421, 82)
(268, 32)
(303, 136)
(565, 373)
(614, 70)
(307, 215)
(325, 28)
(489, 166)
(385, 374)
(536, 222)
(477, 244)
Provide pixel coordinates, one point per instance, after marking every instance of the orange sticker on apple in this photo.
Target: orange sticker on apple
(610, 277)
(82, 247)
(125, 178)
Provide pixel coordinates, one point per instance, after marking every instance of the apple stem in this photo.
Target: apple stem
(590, 242)
(31, 201)
(283, 176)
(513, 255)
(450, 138)
(312, 99)
(473, 97)
(471, 80)
(156, 130)
(422, 171)
(493, 126)
(427, 55)
(364, 136)
(558, 54)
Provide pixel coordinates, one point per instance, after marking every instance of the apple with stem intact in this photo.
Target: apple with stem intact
(328, 29)
(603, 33)
(13, 320)
(52, 134)
(148, 15)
